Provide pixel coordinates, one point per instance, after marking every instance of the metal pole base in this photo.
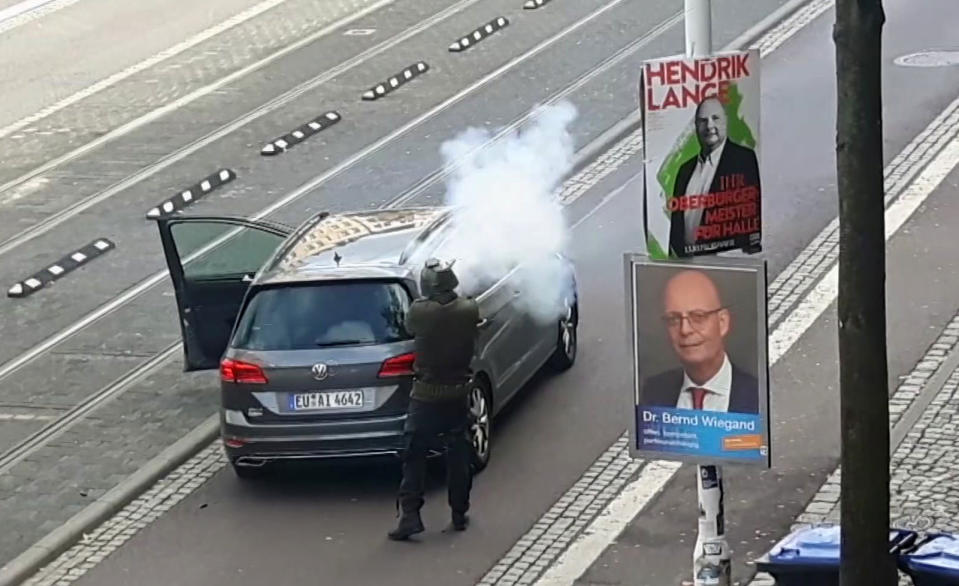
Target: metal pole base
(711, 563)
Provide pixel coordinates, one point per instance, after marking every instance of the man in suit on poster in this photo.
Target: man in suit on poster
(697, 323)
(712, 170)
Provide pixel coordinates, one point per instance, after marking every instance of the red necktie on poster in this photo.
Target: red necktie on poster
(699, 395)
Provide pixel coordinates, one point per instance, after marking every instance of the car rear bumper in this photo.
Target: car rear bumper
(254, 445)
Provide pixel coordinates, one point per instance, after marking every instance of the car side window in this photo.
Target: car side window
(243, 251)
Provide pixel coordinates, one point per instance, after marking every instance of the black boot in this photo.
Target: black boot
(459, 522)
(410, 524)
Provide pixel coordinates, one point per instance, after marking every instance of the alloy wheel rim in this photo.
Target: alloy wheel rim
(568, 332)
(479, 422)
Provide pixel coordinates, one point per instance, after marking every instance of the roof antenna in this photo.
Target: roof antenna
(337, 258)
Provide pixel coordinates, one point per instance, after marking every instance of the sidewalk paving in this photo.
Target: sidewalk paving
(924, 486)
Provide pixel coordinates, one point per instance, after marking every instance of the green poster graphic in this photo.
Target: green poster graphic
(670, 90)
(687, 146)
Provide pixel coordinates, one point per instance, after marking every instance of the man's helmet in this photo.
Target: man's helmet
(437, 278)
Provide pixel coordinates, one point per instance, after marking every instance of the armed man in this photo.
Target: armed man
(444, 326)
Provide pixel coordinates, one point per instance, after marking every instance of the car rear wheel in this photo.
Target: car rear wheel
(567, 341)
(480, 423)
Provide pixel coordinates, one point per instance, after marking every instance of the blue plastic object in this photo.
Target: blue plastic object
(935, 562)
(811, 556)
(813, 546)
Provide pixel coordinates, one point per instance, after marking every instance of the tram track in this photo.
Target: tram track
(103, 395)
(58, 218)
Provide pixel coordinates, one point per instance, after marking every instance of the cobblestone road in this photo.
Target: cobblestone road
(60, 479)
(168, 81)
(47, 488)
(924, 484)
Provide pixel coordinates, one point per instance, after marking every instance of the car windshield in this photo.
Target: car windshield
(322, 315)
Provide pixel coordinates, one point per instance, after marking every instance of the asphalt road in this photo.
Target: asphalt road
(799, 102)
(103, 33)
(90, 361)
(336, 517)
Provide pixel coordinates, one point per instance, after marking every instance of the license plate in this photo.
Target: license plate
(323, 401)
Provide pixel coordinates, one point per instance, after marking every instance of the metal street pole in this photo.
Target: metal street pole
(711, 563)
(699, 30)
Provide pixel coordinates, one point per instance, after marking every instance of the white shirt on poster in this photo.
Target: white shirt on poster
(719, 387)
(699, 183)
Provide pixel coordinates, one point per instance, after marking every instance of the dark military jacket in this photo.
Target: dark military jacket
(445, 341)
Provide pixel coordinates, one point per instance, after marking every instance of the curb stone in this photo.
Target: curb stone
(60, 539)
(913, 402)
(63, 537)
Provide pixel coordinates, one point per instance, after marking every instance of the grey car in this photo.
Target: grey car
(306, 327)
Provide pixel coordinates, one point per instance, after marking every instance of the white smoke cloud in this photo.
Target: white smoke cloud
(506, 212)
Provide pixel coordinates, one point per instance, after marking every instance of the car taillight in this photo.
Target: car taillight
(401, 365)
(237, 371)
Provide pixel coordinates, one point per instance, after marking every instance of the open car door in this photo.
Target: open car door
(212, 261)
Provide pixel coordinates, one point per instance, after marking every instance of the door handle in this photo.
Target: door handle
(484, 323)
(517, 293)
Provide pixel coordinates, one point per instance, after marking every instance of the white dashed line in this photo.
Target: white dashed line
(616, 464)
(176, 104)
(570, 566)
(173, 51)
(25, 417)
(29, 10)
(589, 545)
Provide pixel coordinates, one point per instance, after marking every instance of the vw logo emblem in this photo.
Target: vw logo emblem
(320, 371)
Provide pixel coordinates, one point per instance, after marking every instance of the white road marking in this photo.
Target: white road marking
(820, 298)
(18, 9)
(577, 559)
(792, 25)
(604, 529)
(136, 290)
(173, 51)
(29, 10)
(618, 509)
(176, 104)
(25, 417)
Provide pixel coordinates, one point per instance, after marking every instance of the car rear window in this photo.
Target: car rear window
(323, 315)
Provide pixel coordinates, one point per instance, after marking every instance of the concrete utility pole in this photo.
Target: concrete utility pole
(711, 563)
(861, 308)
(699, 28)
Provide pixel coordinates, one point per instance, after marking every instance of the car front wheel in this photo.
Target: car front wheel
(480, 423)
(567, 340)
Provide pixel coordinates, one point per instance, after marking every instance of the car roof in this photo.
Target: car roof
(353, 245)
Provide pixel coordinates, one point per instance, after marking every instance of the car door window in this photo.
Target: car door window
(211, 262)
(243, 253)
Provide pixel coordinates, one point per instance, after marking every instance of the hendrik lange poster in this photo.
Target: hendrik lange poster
(701, 139)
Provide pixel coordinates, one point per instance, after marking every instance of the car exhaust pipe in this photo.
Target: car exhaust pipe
(250, 462)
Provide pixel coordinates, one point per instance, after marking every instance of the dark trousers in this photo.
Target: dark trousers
(437, 425)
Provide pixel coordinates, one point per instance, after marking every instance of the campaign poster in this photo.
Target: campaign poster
(700, 366)
(703, 193)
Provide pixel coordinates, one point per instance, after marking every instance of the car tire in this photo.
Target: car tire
(567, 341)
(480, 423)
